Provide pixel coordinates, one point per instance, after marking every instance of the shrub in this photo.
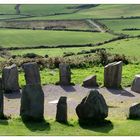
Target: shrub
(68, 54)
(30, 55)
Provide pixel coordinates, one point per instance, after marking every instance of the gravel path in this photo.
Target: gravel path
(118, 100)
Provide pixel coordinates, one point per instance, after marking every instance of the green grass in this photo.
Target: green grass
(7, 9)
(32, 38)
(46, 9)
(129, 47)
(49, 76)
(118, 25)
(101, 11)
(15, 127)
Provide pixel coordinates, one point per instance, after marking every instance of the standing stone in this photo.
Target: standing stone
(93, 108)
(1, 99)
(113, 75)
(90, 81)
(134, 111)
(136, 84)
(61, 115)
(32, 102)
(10, 79)
(32, 75)
(65, 74)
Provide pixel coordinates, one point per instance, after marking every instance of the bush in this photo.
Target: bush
(46, 56)
(30, 55)
(68, 54)
(122, 58)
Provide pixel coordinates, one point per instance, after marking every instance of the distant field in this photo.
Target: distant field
(42, 9)
(25, 38)
(59, 24)
(101, 11)
(119, 25)
(129, 47)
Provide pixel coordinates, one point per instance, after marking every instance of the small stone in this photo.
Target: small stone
(90, 81)
(65, 74)
(134, 111)
(32, 75)
(113, 75)
(61, 115)
(10, 79)
(136, 84)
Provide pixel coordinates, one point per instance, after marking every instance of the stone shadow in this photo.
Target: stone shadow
(68, 88)
(15, 95)
(103, 127)
(121, 91)
(4, 120)
(36, 125)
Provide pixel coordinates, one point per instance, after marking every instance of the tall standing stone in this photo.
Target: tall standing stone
(61, 115)
(32, 75)
(32, 102)
(65, 74)
(113, 75)
(136, 84)
(10, 79)
(1, 99)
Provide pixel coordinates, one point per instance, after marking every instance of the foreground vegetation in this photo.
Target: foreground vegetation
(51, 128)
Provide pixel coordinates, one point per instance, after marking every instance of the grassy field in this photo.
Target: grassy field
(119, 25)
(101, 11)
(32, 38)
(51, 128)
(129, 47)
(51, 76)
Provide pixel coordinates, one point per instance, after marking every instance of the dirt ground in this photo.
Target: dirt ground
(118, 101)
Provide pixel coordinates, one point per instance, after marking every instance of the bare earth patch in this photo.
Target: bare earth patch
(118, 101)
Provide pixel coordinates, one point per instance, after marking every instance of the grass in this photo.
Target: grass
(51, 76)
(118, 25)
(25, 38)
(15, 127)
(130, 47)
(46, 9)
(101, 11)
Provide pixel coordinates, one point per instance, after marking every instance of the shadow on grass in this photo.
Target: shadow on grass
(4, 120)
(103, 126)
(36, 125)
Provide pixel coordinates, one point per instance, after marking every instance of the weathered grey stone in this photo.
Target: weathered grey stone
(1, 99)
(32, 102)
(10, 79)
(90, 81)
(65, 74)
(113, 75)
(61, 115)
(136, 84)
(32, 75)
(134, 111)
(92, 108)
